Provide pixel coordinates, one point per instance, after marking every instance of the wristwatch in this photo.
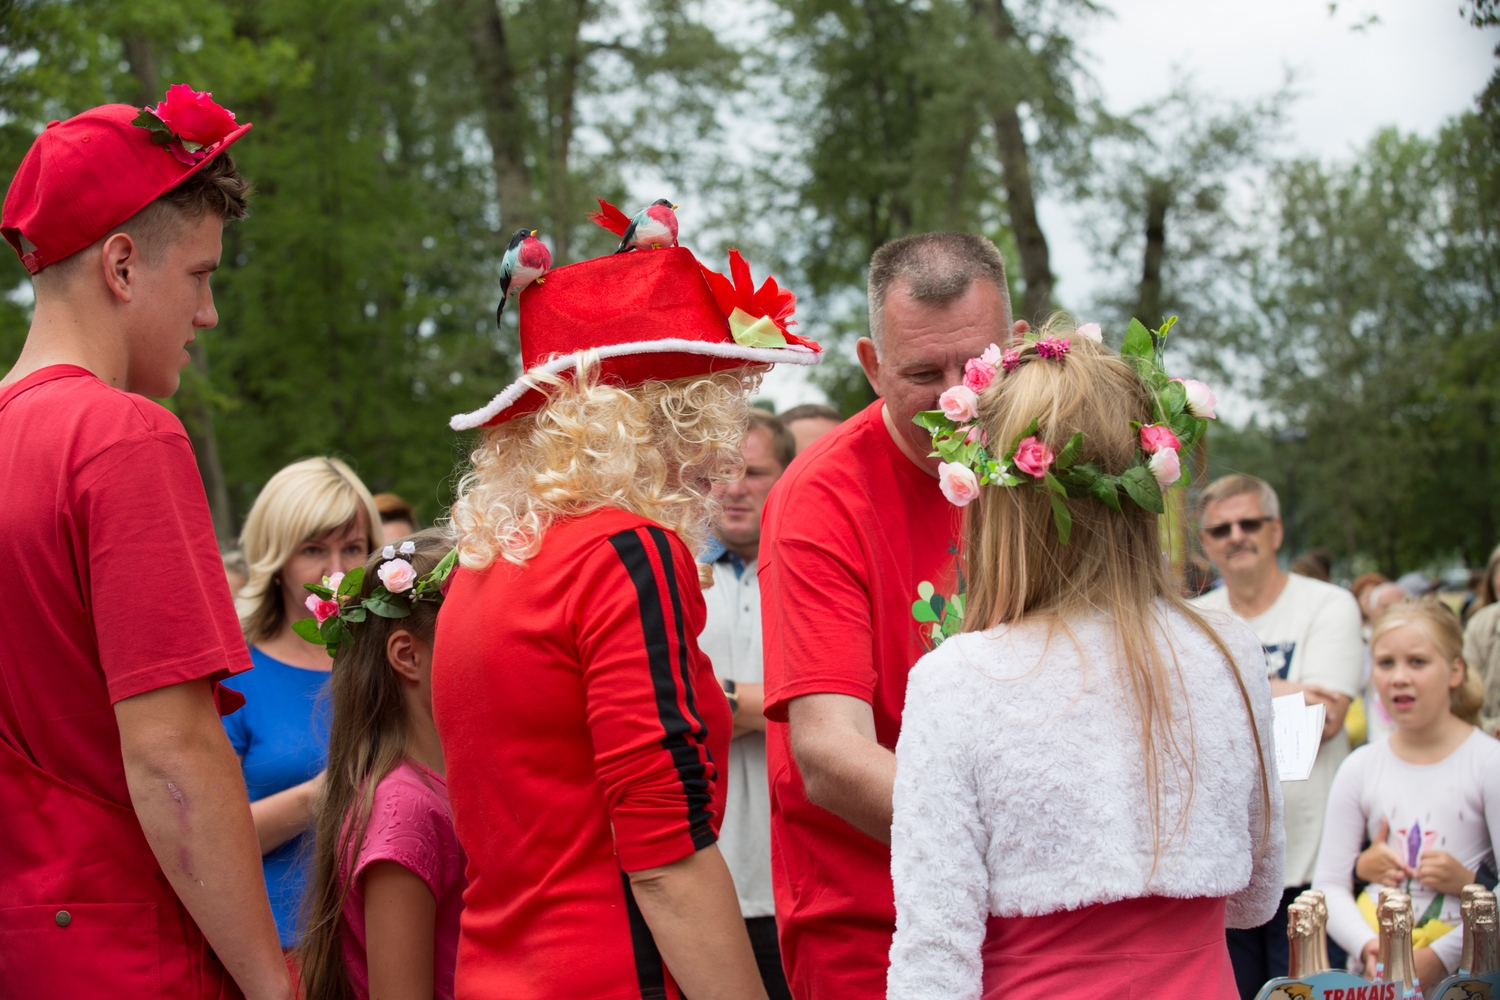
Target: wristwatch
(733, 696)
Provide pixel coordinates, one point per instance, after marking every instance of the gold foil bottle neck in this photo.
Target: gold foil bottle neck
(1319, 904)
(1481, 936)
(1302, 940)
(1397, 964)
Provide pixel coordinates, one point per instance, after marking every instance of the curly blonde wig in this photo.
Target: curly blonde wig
(656, 449)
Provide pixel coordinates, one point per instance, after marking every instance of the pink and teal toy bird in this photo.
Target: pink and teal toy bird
(653, 227)
(526, 260)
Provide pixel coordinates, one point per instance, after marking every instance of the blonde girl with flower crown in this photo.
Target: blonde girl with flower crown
(1084, 795)
(1427, 796)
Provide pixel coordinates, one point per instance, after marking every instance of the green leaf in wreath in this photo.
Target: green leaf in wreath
(1174, 399)
(934, 421)
(320, 590)
(1070, 452)
(1103, 488)
(1137, 341)
(1051, 483)
(307, 628)
(352, 581)
(1143, 489)
(922, 612)
(355, 614)
(387, 605)
(333, 632)
(1061, 518)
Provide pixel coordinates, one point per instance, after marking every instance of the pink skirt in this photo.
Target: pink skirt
(1137, 948)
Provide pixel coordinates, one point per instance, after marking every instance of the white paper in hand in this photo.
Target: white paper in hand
(1296, 734)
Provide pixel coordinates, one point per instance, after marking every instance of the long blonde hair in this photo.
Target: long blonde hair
(1018, 570)
(1438, 622)
(302, 501)
(655, 449)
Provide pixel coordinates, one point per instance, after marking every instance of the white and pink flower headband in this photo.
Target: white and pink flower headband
(335, 604)
(1183, 408)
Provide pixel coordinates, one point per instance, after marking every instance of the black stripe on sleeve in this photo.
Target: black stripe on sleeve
(676, 728)
(649, 971)
(664, 550)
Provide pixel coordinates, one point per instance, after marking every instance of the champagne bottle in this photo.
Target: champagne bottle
(1301, 939)
(1482, 935)
(1466, 959)
(1319, 904)
(1397, 964)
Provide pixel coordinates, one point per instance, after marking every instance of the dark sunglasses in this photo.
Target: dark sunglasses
(1248, 525)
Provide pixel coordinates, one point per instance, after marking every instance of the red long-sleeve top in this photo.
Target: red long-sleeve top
(580, 725)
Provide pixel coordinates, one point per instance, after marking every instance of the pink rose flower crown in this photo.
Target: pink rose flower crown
(1183, 409)
(335, 603)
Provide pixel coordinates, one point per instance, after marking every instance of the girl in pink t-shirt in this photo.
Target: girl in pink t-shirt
(387, 889)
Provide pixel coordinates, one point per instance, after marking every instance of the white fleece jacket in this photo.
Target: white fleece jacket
(1020, 790)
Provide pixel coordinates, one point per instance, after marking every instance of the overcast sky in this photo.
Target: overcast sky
(1365, 65)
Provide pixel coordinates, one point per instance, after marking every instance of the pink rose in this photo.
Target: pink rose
(1157, 438)
(1200, 398)
(332, 582)
(322, 609)
(397, 575)
(978, 374)
(1166, 467)
(958, 483)
(193, 115)
(960, 404)
(1033, 457)
(1091, 331)
(991, 356)
(975, 434)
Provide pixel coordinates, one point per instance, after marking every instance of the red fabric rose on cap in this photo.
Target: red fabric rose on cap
(187, 122)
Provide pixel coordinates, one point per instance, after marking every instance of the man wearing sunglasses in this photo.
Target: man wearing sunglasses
(1311, 634)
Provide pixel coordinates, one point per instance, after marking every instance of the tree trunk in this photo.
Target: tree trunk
(1148, 309)
(504, 118)
(192, 406)
(1020, 194)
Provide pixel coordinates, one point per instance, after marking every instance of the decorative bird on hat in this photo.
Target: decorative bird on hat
(526, 260)
(653, 227)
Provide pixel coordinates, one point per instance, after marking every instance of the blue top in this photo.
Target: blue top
(281, 736)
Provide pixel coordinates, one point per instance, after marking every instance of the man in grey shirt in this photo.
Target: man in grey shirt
(731, 638)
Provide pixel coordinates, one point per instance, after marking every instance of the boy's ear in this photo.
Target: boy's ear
(119, 259)
(401, 653)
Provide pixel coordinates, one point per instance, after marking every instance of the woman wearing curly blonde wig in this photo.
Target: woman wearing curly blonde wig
(312, 519)
(582, 727)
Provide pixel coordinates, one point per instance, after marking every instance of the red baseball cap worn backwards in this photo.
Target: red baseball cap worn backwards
(85, 176)
(648, 315)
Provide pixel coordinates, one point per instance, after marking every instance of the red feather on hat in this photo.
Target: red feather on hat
(769, 300)
(610, 218)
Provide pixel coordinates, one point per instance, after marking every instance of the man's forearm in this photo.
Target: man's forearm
(751, 716)
(694, 916)
(189, 797)
(844, 769)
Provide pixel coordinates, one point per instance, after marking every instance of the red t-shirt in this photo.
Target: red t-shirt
(847, 536)
(115, 584)
(580, 725)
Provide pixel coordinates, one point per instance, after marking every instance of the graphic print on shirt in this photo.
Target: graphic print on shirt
(939, 617)
(1279, 659)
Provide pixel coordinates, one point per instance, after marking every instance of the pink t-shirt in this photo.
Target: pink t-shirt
(411, 824)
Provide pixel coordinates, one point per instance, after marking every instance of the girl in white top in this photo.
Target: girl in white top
(1427, 796)
(1081, 797)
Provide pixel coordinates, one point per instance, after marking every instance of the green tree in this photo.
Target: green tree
(1379, 346)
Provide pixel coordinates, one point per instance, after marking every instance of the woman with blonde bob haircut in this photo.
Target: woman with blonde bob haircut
(582, 727)
(313, 519)
(1082, 795)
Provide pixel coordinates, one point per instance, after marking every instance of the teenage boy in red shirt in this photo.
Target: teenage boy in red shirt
(128, 860)
(849, 534)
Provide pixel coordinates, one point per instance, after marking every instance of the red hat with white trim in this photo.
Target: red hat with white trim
(648, 315)
(85, 176)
